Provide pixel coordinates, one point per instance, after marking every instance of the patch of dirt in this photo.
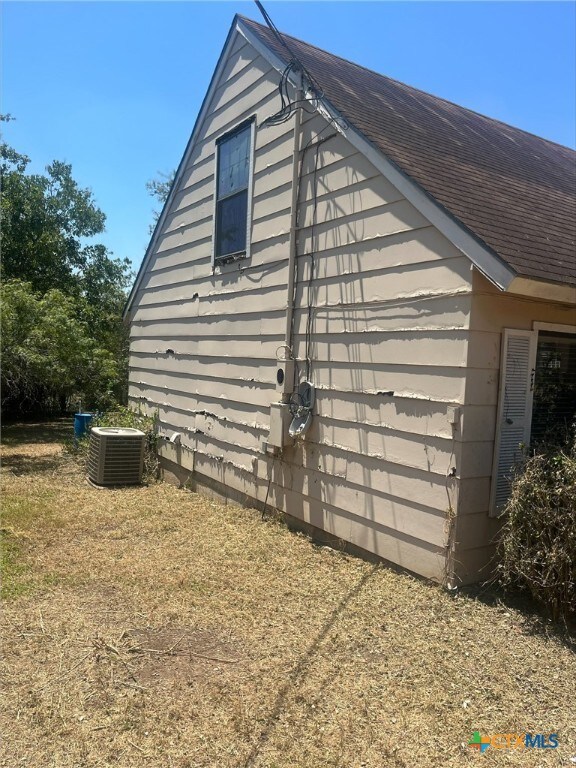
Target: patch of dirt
(179, 653)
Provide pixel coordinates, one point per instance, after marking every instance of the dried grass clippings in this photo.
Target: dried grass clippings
(152, 626)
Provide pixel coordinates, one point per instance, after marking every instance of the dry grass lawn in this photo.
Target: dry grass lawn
(155, 627)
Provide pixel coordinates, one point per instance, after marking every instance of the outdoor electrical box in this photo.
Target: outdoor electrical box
(280, 418)
(453, 414)
(285, 376)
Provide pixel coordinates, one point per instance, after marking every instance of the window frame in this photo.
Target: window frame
(219, 260)
(533, 336)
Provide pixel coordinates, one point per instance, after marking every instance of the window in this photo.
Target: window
(554, 401)
(233, 176)
(537, 398)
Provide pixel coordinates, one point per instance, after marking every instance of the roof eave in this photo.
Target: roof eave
(484, 258)
(543, 289)
(492, 266)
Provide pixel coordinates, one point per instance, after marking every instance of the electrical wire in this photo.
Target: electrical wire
(288, 107)
(274, 29)
(280, 38)
(268, 489)
(315, 139)
(308, 84)
(310, 306)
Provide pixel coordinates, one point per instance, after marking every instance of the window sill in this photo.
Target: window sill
(229, 258)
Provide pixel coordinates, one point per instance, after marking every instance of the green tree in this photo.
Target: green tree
(55, 279)
(44, 219)
(49, 353)
(160, 189)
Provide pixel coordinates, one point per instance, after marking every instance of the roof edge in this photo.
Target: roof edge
(541, 289)
(484, 258)
(401, 83)
(181, 167)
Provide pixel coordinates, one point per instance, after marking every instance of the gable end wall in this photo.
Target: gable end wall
(392, 302)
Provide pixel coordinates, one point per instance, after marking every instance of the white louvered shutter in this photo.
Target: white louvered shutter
(514, 409)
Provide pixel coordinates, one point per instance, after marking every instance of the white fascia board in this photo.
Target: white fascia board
(480, 255)
(182, 167)
(538, 289)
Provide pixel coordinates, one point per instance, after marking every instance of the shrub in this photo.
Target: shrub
(538, 538)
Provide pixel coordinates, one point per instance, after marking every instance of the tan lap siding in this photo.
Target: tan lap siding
(391, 303)
(492, 312)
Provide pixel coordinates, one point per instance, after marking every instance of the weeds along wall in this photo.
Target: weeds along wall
(389, 301)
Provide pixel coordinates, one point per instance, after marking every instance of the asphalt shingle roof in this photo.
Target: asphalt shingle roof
(515, 192)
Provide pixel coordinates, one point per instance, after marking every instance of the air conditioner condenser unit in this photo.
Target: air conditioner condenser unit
(116, 456)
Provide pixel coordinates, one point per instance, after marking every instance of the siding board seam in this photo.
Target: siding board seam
(207, 298)
(433, 511)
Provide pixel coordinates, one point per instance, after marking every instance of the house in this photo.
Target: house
(381, 273)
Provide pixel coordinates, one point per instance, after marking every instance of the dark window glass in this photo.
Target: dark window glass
(554, 404)
(232, 192)
(231, 224)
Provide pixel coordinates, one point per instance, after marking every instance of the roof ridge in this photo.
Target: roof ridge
(411, 87)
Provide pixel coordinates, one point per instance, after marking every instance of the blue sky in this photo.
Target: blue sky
(114, 87)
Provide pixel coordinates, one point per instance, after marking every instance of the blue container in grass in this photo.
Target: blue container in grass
(81, 424)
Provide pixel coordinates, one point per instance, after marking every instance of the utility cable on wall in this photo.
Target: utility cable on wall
(293, 56)
(310, 305)
(308, 83)
(312, 267)
(307, 98)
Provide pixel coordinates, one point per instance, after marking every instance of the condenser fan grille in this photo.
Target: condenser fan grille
(116, 456)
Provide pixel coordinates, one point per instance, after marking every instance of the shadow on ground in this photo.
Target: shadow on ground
(299, 672)
(535, 619)
(24, 464)
(55, 431)
(34, 433)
